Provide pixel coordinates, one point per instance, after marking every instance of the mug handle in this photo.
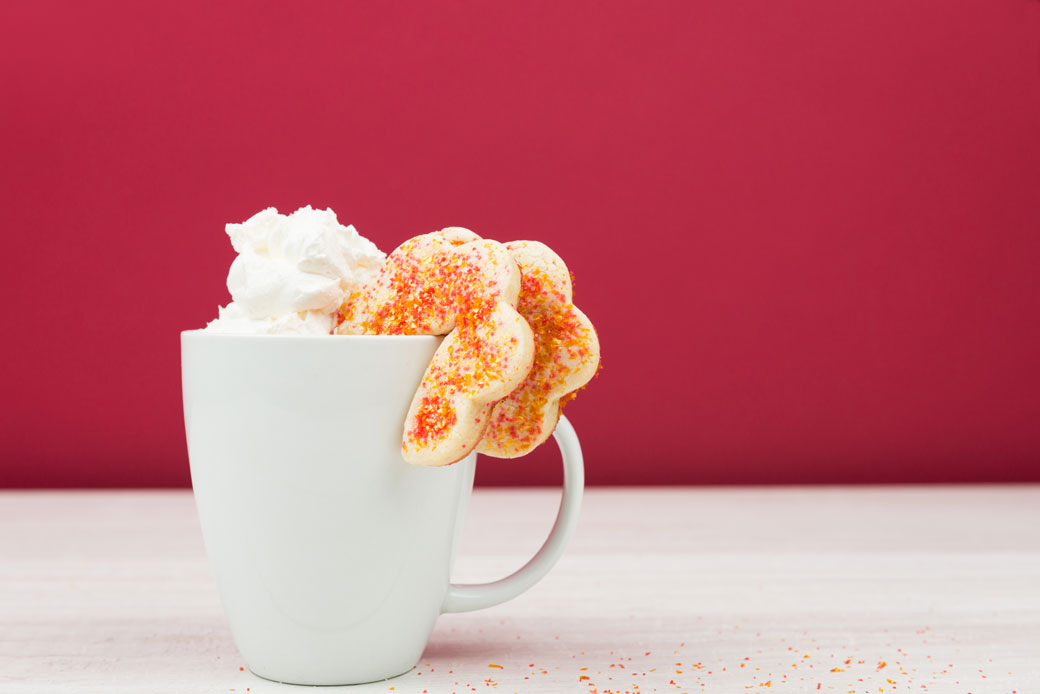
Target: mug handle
(476, 596)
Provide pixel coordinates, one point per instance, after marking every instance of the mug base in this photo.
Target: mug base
(331, 684)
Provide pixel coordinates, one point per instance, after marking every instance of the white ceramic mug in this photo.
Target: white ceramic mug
(331, 554)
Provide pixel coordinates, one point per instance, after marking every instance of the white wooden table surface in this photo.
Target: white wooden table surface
(907, 589)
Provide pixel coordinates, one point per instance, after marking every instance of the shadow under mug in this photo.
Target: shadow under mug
(332, 555)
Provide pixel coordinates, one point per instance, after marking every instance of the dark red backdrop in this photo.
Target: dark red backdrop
(808, 231)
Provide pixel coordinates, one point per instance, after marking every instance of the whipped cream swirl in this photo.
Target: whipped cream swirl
(293, 272)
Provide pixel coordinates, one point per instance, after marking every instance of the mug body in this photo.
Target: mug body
(331, 554)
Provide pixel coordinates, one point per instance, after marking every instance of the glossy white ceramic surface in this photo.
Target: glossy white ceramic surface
(332, 555)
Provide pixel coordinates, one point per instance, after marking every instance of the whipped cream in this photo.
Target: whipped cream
(293, 272)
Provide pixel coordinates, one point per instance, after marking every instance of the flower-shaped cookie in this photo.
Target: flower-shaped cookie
(451, 283)
(566, 354)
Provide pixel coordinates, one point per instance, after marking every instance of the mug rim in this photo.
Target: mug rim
(201, 333)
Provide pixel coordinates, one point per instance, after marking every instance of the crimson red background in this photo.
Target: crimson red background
(808, 231)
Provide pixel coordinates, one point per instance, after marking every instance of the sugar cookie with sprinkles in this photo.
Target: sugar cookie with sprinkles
(404, 298)
(450, 283)
(566, 354)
